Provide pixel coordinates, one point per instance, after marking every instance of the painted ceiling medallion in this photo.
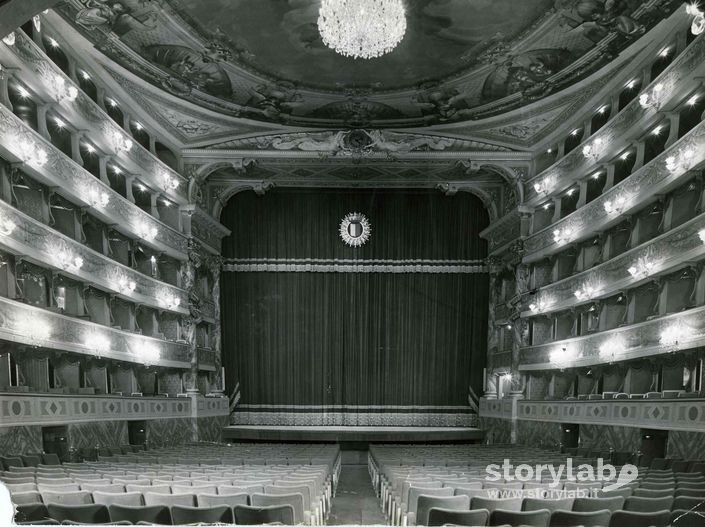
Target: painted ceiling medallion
(362, 28)
(355, 229)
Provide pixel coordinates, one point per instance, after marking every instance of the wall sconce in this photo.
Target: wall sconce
(147, 232)
(67, 261)
(37, 22)
(507, 377)
(562, 235)
(168, 301)
(701, 233)
(9, 39)
(615, 206)
(97, 198)
(642, 268)
(654, 99)
(126, 286)
(62, 91)
(121, 143)
(586, 292)
(98, 343)
(698, 25)
(31, 154)
(595, 150)
(169, 183)
(680, 162)
(610, 349)
(7, 226)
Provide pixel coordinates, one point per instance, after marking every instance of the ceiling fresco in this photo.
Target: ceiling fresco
(264, 59)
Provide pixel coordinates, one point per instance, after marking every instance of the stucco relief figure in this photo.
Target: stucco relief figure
(117, 16)
(598, 18)
(303, 142)
(526, 73)
(199, 70)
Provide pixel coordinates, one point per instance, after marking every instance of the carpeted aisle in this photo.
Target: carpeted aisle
(355, 502)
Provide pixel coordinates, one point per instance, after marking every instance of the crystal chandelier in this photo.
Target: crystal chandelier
(362, 28)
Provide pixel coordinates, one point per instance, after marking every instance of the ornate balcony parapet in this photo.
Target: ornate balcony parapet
(38, 71)
(78, 185)
(207, 310)
(617, 132)
(652, 179)
(206, 359)
(664, 414)
(205, 228)
(667, 252)
(501, 233)
(39, 243)
(51, 409)
(35, 326)
(625, 343)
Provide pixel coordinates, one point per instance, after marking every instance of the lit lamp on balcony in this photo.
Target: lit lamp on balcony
(675, 334)
(7, 226)
(698, 24)
(616, 206)
(10, 38)
(595, 150)
(97, 198)
(642, 268)
(168, 301)
(98, 343)
(611, 349)
(67, 261)
(563, 357)
(562, 235)
(169, 182)
(36, 329)
(654, 99)
(680, 162)
(586, 292)
(147, 232)
(701, 234)
(149, 353)
(31, 154)
(126, 286)
(121, 143)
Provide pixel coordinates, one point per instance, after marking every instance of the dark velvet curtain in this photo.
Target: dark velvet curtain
(387, 339)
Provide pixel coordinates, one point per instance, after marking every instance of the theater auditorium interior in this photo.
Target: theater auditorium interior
(352, 262)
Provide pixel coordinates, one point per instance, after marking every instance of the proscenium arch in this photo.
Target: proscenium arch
(14, 13)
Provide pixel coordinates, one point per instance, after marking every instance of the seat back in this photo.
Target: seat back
(79, 497)
(539, 518)
(90, 514)
(158, 514)
(182, 515)
(687, 518)
(154, 489)
(294, 500)
(113, 487)
(425, 503)
(133, 499)
(231, 500)
(537, 504)
(414, 494)
(31, 512)
(584, 519)
(598, 504)
(155, 498)
(438, 516)
(181, 489)
(254, 515)
(643, 504)
(507, 504)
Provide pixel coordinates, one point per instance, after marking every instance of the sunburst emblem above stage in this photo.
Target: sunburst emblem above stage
(355, 229)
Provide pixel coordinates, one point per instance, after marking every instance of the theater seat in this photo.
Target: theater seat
(687, 518)
(584, 519)
(213, 500)
(133, 499)
(598, 504)
(640, 519)
(90, 514)
(158, 514)
(437, 517)
(506, 504)
(253, 515)
(426, 503)
(539, 518)
(295, 501)
(31, 512)
(535, 504)
(182, 515)
(640, 504)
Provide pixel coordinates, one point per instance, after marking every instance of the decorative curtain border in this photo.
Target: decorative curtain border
(311, 265)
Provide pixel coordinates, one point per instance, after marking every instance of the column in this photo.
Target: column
(4, 88)
(189, 323)
(215, 264)
(42, 128)
(153, 210)
(76, 146)
(103, 168)
(640, 153)
(674, 119)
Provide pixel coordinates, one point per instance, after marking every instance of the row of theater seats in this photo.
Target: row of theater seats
(304, 487)
(96, 514)
(411, 489)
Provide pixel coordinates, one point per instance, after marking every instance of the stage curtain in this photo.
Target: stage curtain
(298, 338)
